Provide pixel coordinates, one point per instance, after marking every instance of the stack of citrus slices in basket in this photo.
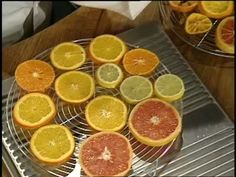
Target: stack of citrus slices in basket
(153, 121)
(200, 15)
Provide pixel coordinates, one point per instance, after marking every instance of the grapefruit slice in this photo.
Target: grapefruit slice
(106, 154)
(154, 122)
(225, 35)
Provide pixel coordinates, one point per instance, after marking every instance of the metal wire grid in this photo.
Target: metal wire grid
(73, 117)
(175, 21)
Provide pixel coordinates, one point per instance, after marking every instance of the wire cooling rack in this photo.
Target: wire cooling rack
(175, 21)
(145, 160)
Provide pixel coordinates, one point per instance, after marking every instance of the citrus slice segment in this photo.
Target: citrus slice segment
(68, 56)
(181, 6)
(52, 144)
(107, 48)
(74, 86)
(154, 122)
(135, 89)
(106, 154)
(34, 75)
(106, 113)
(109, 75)
(34, 110)
(140, 61)
(197, 24)
(225, 35)
(216, 9)
(169, 87)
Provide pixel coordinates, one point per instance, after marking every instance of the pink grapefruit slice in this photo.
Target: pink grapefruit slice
(106, 154)
(154, 122)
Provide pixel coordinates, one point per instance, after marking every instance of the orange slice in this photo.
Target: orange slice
(34, 110)
(34, 76)
(52, 144)
(216, 9)
(107, 49)
(197, 24)
(181, 6)
(140, 61)
(225, 35)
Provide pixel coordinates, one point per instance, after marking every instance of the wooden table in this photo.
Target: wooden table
(216, 73)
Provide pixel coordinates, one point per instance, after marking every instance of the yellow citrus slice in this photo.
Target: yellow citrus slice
(68, 56)
(107, 49)
(34, 75)
(181, 6)
(74, 86)
(197, 23)
(52, 144)
(135, 89)
(106, 113)
(225, 35)
(34, 110)
(216, 9)
(169, 87)
(109, 75)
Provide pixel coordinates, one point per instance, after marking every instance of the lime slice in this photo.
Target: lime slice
(109, 75)
(169, 87)
(135, 89)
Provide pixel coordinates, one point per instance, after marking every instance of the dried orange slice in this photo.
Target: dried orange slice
(34, 110)
(225, 35)
(52, 144)
(140, 61)
(34, 75)
(216, 9)
(197, 24)
(181, 6)
(74, 86)
(107, 49)
(68, 56)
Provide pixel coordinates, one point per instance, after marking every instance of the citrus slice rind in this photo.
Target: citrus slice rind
(107, 48)
(153, 126)
(106, 113)
(68, 56)
(109, 75)
(135, 89)
(52, 140)
(75, 87)
(29, 112)
(169, 87)
(101, 159)
(180, 6)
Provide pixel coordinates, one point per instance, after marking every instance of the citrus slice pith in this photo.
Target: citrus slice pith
(107, 49)
(34, 75)
(106, 113)
(181, 6)
(197, 23)
(154, 122)
(52, 144)
(140, 61)
(106, 154)
(34, 110)
(68, 56)
(74, 86)
(225, 35)
(135, 89)
(109, 75)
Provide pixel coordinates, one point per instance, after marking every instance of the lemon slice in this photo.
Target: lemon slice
(52, 144)
(169, 87)
(34, 110)
(107, 49)
(109, 75)
(74, 86)
(106, 113)
(68, 56)
(135, 89)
